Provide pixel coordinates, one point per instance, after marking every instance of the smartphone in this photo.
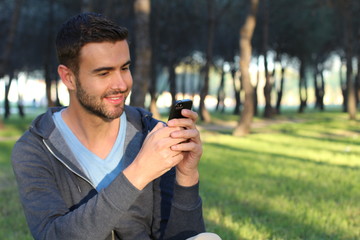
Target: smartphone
(175, 111)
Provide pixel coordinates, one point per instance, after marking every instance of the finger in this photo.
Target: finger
(187, 134)
(190, 114)
(182, 122)
(161, 130)
(176, 158)
(186, 147)
(166, 143)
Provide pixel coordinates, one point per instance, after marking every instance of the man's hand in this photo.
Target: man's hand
(187, 173)
(156, 156)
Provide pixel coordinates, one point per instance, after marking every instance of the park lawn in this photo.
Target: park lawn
(296, 178)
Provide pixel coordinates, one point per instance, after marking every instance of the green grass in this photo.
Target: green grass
(12, 220)
(290, 180)
(295, 177)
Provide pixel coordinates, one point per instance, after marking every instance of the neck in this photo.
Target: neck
(95, 133)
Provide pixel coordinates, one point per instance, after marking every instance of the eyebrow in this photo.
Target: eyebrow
(100, 69)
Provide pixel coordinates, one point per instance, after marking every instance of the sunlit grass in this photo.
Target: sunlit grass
(294, 180)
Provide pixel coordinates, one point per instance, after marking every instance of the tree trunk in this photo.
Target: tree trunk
(220, 106)
(48, 83)
(48, 63)
(183, 81)
(57, 99)
(172, 81)
(193, 80)
(343, 88)
(237, 89)
(302, 88)
(357, 80)
(153, 90)
(280, 90)
(256, 102)
(319, 85)
(268, 85)
(204, 114)
(351, 100)
(20, 102)
(246, 32)
(322, 90)
(142, 74)
(7, 106)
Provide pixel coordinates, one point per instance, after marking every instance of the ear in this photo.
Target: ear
(67, 76)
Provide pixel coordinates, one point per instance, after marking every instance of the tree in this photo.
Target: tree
(268, 112)
(246, 32)
(348, 37)
(7, 50)
(143, 53)
(212, 20)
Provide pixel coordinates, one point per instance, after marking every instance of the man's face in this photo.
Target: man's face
(104, 80)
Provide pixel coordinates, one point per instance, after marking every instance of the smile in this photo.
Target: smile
(114, 100)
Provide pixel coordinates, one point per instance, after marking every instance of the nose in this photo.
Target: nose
(119, 81)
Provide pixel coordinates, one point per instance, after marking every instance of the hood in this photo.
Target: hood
(44, 125)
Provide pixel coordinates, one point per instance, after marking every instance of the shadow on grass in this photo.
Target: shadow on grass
(272, 221)
(279, 225)
(288, 143)
(275, 155)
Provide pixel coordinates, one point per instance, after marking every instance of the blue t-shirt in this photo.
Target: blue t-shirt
(100, 171)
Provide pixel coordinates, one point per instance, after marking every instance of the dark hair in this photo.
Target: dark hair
(82, 29)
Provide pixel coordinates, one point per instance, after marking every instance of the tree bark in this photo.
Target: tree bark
(343, 88)
(280, 90)
(153, 90)
(204, 114)
(7, 106)
(20, 102)
(256, 102)
(351, 100)
(48, 63)
(357, 80)
(319, 85)
(172, 81)
(220, 106)
(303, 94)
(246, 32)
(237, 89)
(143, 53)
(268, 112)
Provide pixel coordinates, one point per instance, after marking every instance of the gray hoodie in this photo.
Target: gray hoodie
(60, 202)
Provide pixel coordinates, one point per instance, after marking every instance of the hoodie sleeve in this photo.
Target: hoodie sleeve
(46, 212)
(177, 209)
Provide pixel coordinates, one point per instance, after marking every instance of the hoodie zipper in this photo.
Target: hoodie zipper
(60, 160)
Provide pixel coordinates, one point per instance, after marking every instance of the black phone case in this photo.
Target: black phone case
(175, 111)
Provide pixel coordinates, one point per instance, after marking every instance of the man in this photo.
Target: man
(98, 169)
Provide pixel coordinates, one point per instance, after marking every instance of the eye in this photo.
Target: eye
(125, 68)
(102, 74)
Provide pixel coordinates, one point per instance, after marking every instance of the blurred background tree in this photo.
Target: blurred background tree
(185, 48)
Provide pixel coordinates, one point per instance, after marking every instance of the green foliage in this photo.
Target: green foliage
(295, 177)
